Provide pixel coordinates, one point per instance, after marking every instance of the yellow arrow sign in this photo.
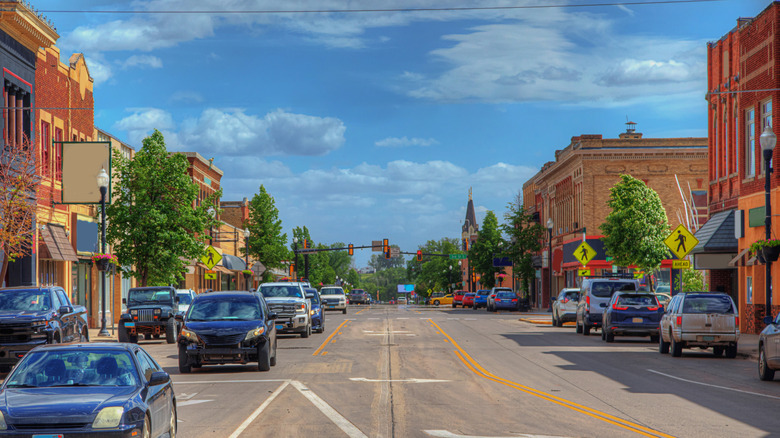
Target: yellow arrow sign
(681, 241)
(210, 275)
(583, 272)
(638, 274)
(584, 253)
(211, 258)
(681, 264)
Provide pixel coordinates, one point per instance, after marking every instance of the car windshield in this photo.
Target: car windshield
(604, 289)
(281, 291)
(332, 291)
(47, 368)
(315, 297)
(25, 300)
(707, 304)
(225, 308)
(139, 297)
(637, 300)
(184, 298)
(358, 292)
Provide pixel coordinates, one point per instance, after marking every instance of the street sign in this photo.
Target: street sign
(584, 272)
(584, 253)
(376, 245)
(500, 262)
(395, 252)
(681, 241)
(459, 256)
(210, 275)
(681, 264)
(211, 258)
(307, 251)
(639, 274)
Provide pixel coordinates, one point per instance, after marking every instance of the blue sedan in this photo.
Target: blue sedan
(506, 300)
(102, 390)
(480, 299)
(632, 314)
(317, 312)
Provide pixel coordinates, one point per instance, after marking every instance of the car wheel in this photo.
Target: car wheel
(585, 327)
(156, 336)
(764, 372)
(454, 305)
(608, 335)
(184, 366)
(663, 346)
(554, 321)
(307, 332)
(653, 338)
(344, 311)
(173, 426)
(122, 333)
(171, 331)
(603, 335)
(273, 358)
(731, 351)
(436, 303)
(263, 357)
(579, 327)
(717, 351)
(147, 427)
(676, 347)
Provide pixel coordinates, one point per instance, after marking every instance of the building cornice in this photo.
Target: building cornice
(26, 26)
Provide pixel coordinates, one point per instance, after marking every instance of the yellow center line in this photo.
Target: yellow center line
(330, 337)
(475, 367)
(363, 310)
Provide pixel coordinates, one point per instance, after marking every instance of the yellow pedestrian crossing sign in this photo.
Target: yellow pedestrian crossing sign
(681, 241)
(211, 258)
(584, 253)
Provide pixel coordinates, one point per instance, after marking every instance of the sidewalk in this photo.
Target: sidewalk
(93, 335)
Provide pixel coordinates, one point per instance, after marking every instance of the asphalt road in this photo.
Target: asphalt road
(398, 371)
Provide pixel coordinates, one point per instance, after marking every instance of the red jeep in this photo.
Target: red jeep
(457, 298)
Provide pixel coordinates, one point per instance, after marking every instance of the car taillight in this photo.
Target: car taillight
(615, 306)
(679, 320)
(565, 300)
(653, 308)
(587, 301)
(497, 300)
(514, 300)
(736, 321)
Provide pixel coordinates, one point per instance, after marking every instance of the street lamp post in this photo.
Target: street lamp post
(768, 141)
(549, 259)
(295, 249)
(102, 182)
(247, 276)
(449, 280)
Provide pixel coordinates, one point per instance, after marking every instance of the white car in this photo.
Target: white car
(333, 298)
(185, 297)
(564, 308)
(293, 310)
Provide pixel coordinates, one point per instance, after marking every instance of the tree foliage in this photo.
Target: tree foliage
(636, 227)
(525, 237)
(153, 221)
(435, 273)
(489, 244)
(267, 243)
(379, 262)
(693, 281)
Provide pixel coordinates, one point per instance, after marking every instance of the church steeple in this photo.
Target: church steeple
(470, 225)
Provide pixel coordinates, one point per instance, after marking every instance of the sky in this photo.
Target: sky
(375, 124)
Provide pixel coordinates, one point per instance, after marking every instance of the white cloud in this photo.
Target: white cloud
(142, 122)
(141, 61)
(396, 142)
(98, 69)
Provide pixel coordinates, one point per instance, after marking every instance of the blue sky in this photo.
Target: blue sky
(374, 125)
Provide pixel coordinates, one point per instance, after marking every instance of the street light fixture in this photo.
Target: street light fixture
(295, 249)
(768, 140)
(102, 182)
(246, 257)
(549, 258)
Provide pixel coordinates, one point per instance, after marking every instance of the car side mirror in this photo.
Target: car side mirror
(272, 315)
(64, 310)
(176, 300)
(124, 300)
(309, 295)
(768, 320)
(159, 378)
(178, 317)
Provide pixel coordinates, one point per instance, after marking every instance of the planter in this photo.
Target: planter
(103, 265)
(760, 257)
(770, 253)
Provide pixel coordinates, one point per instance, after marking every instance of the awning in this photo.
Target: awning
(56, 244)
(233, 263)
(717, 235)
(222, 269)
(740, 259)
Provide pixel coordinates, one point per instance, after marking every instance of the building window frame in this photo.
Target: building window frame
(45, 149)
(750, 143)
(749, 290)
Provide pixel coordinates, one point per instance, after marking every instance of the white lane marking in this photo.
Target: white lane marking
(192, 402)
(395, 331)
(374, 318)
(383, 334)
(448, 434)
(185, 396)
(363, 379)
(471, 319)
(454, 319)
(259, 410)
(230, 381)
(715, 386)
(332, 414)
(402, 318)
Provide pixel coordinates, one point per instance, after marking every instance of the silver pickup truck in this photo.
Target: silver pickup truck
(700, 319)
(288, 301)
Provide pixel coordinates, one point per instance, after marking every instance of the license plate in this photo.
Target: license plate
(56, 435)
(127, 324)
(279, 326)
(636, 320)
(708, 338)
(331, 307)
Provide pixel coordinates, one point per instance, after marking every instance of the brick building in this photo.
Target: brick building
(574, 189)
(742, 85)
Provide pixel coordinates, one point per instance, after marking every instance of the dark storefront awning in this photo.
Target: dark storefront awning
(56, 245)
(233, 263)
(718, 246)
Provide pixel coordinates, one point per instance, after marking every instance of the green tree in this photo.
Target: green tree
(435, 273)
(267, 243)
(489, 244)
(525, 237)
(693, 281)
(152, 222)
(379, 262)
(635, 229)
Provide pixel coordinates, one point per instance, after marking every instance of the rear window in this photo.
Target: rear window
(707, 304)
(637, 300)
(470, 294)
(504, 294)
(572, 295)
(605, 289)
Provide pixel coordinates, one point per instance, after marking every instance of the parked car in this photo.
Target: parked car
(228, 327)
(402, 300)
(32, 316)
(632, 314)
(101, 389)
(442, 300)
(663, 299)
(564, 306)
(492, 296)
(595, 293)
(185, 297)
(359, 296)
(289, 303)
(480, 299)
(468, 299)
(700, 319)
(663, 289)
(317, 312)
(333, 298)
(769, 349)
(150, 312)
(505, 300)
(457, 297)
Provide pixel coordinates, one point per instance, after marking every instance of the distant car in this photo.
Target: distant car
(468, 299)
(317, 312)
(769, 349)
(564, 306)
(632, 314)
(480, 299)
(110, 390)
(333, 298)
(505, 300)
(457, 298)
(441, 300)
(359, 296)
(185, 297)
(227, 327)
(700, 319)
(492, 296)
(401, 300)
(663, 299)
(150, 312)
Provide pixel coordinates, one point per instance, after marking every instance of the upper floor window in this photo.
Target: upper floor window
(766, 120)
(750, 143)
(58, 153)
(736, 138)
(45, 149)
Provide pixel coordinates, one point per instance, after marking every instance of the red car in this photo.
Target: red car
(457, 298)
(468, 299)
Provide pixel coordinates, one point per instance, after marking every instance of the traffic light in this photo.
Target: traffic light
(305, 243)
(385, 245)
(351, 249)
(292, 269)
(419, 255)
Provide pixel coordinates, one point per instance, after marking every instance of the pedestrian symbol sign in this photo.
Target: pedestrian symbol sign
(211, 258)
(681, 241)
(584, 253)
(583, 272)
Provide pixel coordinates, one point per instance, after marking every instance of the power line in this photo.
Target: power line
(339, 11)
(744, 91)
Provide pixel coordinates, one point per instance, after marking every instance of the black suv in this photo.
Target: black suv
(150, 312)
(227, 327)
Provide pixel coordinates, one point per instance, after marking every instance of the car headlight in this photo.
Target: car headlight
(189, 335)
(254, 333)
(157, 311)
(134, 312)
(108, 418)
(313, 312)
(301, 308)
(3, 426)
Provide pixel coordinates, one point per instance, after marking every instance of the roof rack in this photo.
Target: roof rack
(612, 275)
